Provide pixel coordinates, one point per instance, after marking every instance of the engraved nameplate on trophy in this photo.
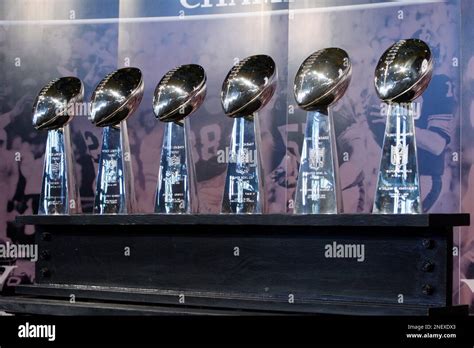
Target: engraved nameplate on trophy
(243, 184)
(114, 183)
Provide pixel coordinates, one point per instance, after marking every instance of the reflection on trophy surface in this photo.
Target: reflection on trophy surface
(321, 80)
(52, 112)
(248, 87)
(116, 97)
(179, 93)
(402, 74)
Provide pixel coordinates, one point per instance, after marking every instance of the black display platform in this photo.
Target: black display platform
(226, 264)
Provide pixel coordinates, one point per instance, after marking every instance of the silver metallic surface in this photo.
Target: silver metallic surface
(115, 99)
(247, 88)
(51, 111)
(321, 80)
(179, 93)
(403, 73)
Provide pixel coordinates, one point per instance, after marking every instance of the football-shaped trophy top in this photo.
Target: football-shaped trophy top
(322, 78)
(179, 93)
(404, 71)
(249, 86)
(53, 103)
(116, 97)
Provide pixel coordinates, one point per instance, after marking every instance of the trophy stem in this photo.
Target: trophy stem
(176, 187)
(398, 187)
(317, 189)
(59, 194)
(114, 193)
(244, 181)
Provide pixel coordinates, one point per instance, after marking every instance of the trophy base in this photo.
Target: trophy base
(317, 188)
(114, 193)
(398, 185)
(175, 179)
(59, 194)
(243, 184)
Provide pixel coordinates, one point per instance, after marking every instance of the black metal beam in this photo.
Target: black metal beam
(356, 220)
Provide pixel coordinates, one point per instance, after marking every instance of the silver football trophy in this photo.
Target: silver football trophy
(321, 80)
(248, 87)
(402, 75)
(116, 97)
(179, 93)
(52, 111)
